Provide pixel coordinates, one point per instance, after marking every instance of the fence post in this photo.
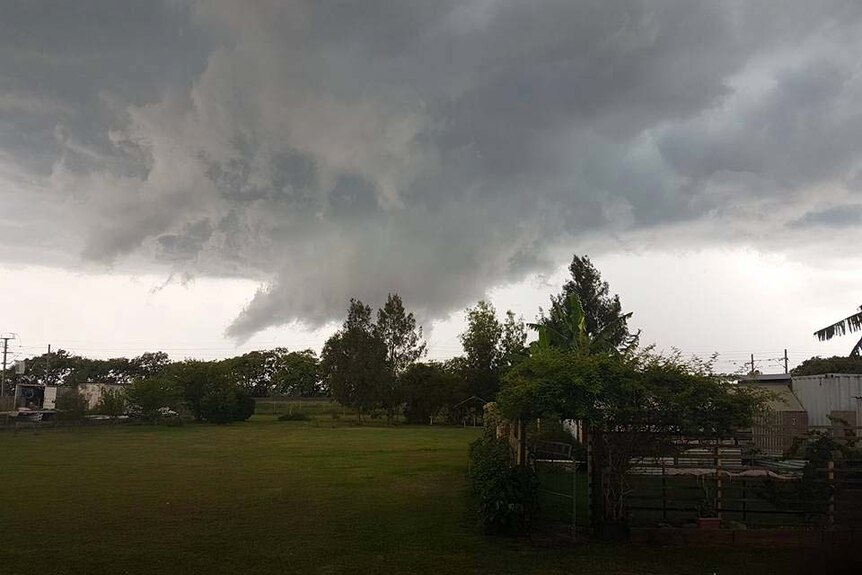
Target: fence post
(830, 480)
(717, 479)
(663, 492)
(588, 437)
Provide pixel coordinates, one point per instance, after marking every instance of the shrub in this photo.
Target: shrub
(112, 403)
(222, 403)
(71, 404)
(297, 416)
(507, 495)
(147, 397)
(218, 404)
(245, 405)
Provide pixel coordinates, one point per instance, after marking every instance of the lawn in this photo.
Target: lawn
(278, 497)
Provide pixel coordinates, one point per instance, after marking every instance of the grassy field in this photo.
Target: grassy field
(278, 497)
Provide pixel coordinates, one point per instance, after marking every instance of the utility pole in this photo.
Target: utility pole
(786, 370)
(48, 366)
(5, 353)
(752, 365)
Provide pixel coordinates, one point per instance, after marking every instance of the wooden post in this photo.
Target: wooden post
(717, 479)
(663, 492)
(522, 443)
(588, 443)
(830, 479)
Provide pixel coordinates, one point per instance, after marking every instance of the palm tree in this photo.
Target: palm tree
(851, 324)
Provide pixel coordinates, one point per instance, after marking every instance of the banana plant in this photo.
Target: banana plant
(570, 331)
(850, 324)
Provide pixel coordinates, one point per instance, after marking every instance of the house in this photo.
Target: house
(774, 432)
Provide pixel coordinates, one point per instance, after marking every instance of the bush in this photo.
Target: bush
(112, 403)
(507, 495)
(245, 405)
(222, 403)
(298, 416)
(71, 404)
(148, 397)
(218, 404)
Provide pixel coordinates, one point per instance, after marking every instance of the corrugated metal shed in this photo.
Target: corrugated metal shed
(823, 394)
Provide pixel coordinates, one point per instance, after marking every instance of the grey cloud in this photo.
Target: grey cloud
(334, 150)
(835, 217)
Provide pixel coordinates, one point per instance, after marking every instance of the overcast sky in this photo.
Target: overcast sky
(216, 176)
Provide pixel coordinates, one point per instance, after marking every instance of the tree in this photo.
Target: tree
(513, 341)
(835, 364)
(850, 324)
(297, 373)
(481, 342)
(634, 407)
(112, 402)
(398, 330)
(224, 402)
(195, 378)
(253, 370)
(147, 396)
(149, 364)
(427, 388)
(354, 361)
(585, 312)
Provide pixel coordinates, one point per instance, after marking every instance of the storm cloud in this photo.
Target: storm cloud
(437, 149)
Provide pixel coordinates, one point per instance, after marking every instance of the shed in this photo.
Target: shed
(774, 432)
(831, 395)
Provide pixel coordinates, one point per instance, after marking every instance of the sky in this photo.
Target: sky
(210, 177)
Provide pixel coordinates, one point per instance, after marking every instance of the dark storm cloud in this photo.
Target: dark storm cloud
(437, 149)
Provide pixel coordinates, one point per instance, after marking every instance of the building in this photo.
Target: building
(831, 397)
(92, 392)
(774, 432)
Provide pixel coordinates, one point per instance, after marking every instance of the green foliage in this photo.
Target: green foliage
(849, 324)
(297, 373)
(71, 404)
(584, 316)
(507, 495)
(112, 402)
(397, 329)
(481, 342)
(427, 388)
(223, 402)
(835, 364)
(633, 407)
(149, 396)
(299, 416)
(245, 405)
(195, 379)
(354, 363)
(491, 349)
(218, 403)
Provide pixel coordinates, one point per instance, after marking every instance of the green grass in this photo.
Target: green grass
(278, 497)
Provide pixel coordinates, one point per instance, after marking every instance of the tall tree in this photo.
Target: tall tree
(399, 332)
(298, 373)
(850, 324)
(586, 313)
(481, 342)
(513, 340)
(354, 361)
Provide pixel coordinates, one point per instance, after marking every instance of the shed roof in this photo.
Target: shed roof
(783, 398)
